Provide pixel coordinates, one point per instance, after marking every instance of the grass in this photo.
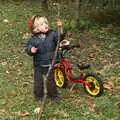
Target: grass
(16, 98)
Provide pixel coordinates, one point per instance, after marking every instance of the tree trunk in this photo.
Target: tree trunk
(78, 4)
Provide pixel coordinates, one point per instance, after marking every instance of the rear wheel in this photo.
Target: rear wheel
(93, 85)
(60, 77)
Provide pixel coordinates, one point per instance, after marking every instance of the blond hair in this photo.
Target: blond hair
(39, 20)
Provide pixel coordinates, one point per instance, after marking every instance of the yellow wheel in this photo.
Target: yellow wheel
(59, 76)
(93, 85)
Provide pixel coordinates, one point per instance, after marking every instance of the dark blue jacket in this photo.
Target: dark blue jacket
(46, 48)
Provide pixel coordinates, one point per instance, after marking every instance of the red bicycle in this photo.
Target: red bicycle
(93, 84)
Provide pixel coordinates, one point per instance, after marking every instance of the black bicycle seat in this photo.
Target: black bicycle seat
(83, 66)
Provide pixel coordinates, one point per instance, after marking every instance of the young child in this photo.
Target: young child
(41, 46)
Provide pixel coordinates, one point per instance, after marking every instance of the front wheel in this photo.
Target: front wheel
(60, 77)
(93, 85)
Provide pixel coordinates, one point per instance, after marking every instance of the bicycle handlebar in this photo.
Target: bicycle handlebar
(75, 46)
(68, 47)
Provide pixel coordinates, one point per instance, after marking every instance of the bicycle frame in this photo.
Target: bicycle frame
(68, 72)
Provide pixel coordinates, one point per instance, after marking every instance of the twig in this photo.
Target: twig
(72, 87)
(45, 96)
(45, 78)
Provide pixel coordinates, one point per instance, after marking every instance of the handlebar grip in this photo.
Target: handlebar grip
(68, 47)
(75, 46)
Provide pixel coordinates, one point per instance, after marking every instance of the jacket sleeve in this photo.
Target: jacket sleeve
(28, 46)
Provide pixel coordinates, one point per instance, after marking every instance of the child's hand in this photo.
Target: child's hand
(59, 24)
(34, 49)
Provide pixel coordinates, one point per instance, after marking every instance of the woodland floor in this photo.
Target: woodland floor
(99, 46)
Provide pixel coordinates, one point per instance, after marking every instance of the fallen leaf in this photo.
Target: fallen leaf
(7, 72)
(117, 104)
(3, 63)
(91, 103)
(12, 94)
(53, 117)
(75, 91)
(3, 111)
(3, 101)
(26, 35)
(62, 113)
(109, 85)
(37, 110)
(23, 114)
(5, 21)
(65, 114)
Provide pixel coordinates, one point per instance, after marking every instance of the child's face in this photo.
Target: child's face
(41, 25)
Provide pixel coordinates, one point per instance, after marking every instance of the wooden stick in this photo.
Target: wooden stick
(72, 87)
(45, 77)
(39, 117)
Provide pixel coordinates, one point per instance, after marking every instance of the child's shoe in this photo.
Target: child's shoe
(55, 98)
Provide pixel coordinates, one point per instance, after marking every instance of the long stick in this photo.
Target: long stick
(45, 77)
(45, 82)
